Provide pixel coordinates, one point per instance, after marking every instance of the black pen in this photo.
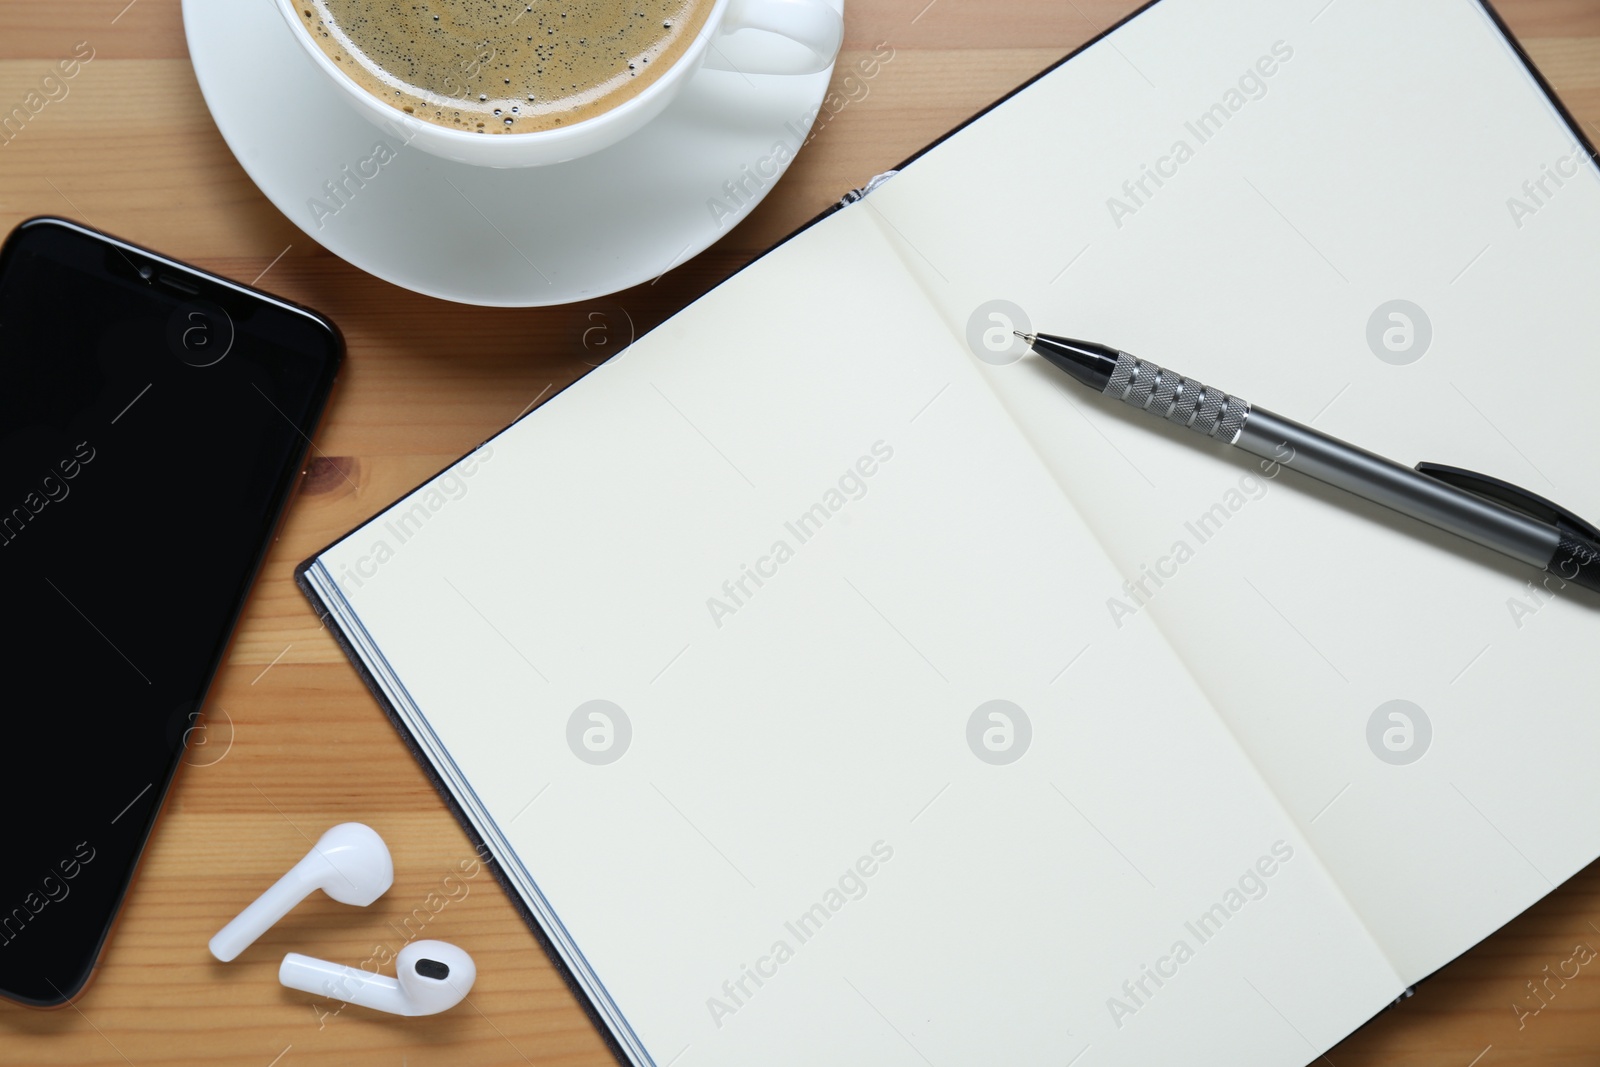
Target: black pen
(1487, 511)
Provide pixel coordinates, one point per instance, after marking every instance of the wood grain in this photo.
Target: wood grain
(296, 744)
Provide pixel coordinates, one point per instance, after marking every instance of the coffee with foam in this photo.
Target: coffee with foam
(491, 67)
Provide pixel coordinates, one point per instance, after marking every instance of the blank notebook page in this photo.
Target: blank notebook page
(1396, 151)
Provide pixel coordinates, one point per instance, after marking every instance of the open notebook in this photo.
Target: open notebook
(829, 694)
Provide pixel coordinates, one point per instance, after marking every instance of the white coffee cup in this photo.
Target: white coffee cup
(814, 26)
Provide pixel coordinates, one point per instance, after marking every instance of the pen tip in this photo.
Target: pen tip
(1028, 337)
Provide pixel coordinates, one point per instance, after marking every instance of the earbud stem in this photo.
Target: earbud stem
(349, 985)
(265, 911)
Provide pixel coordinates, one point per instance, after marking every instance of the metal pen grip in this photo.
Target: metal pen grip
(1177, 399)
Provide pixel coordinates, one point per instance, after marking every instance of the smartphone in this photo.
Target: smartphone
(153, 420)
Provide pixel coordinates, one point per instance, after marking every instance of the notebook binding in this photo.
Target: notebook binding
(1177, 399)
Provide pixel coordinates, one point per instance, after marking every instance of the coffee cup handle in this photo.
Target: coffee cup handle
(815, 25)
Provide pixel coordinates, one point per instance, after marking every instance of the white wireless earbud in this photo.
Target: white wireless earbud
(350, 863)
(432, 976)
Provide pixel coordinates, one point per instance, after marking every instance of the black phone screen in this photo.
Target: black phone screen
(152, 421)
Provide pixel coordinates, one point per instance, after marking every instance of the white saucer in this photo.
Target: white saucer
(506, 238)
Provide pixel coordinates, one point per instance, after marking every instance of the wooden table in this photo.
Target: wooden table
(297, 744)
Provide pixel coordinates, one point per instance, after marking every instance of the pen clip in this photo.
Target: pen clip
(1512, 496)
